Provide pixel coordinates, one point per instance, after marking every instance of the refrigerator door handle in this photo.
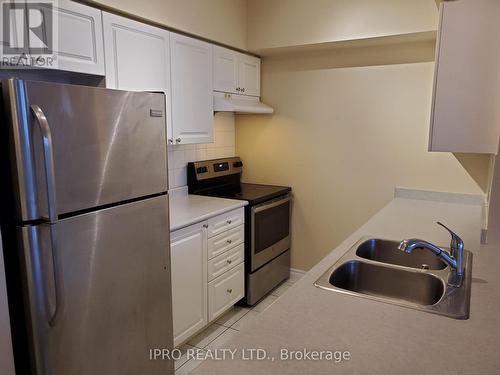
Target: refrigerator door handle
(48, 161)
(53, 317)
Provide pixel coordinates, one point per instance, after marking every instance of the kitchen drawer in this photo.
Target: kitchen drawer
(225, 221)
(226, 261)
(225, 241)
(225, 291)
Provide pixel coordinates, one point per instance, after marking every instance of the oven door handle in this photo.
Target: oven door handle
(270, 205)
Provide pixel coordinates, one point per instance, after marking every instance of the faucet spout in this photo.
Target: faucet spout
(409, 245)
(453, 259)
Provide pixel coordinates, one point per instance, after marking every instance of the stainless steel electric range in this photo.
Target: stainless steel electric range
(267, 221)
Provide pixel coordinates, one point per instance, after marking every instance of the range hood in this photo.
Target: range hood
(224, 102)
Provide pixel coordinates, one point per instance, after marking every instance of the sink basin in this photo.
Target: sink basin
(387, 252)
(375, 269)
(366, 278)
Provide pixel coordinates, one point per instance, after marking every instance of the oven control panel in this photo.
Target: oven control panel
(221, 167)
(202, 170)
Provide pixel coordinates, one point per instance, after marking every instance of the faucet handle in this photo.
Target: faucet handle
(456, 242)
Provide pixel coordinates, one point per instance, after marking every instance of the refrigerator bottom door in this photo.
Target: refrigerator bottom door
(99, 291)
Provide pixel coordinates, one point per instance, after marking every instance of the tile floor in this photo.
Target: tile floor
(220, 332)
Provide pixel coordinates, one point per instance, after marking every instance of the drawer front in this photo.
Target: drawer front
(228, 220)
(226, 261)
(225, 241)
(225, 291)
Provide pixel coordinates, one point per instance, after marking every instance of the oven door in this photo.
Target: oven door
(270, 230)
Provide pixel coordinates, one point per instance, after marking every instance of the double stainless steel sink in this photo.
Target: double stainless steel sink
(375, 269)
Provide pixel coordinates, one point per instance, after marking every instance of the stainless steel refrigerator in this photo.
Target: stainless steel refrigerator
(90, 206)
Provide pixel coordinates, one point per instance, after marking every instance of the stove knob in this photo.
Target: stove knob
(237, 164)
(201, 170)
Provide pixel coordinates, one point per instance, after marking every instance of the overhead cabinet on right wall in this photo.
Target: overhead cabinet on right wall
(466, 99)
(236, 72)
(192, 87)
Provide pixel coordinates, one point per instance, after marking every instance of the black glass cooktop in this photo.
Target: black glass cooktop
(253, 193)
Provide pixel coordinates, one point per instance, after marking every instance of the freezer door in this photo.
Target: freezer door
(105, 145)
(99, 291)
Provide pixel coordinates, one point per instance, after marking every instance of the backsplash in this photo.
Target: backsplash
(223, 146)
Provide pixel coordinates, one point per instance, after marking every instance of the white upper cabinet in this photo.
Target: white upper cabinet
(236, 72)
(249, 75)
(80, 38)
(137, 58)
(465, 108)
(79, 44)
(225, 70)
(192, 86)
(137, 55)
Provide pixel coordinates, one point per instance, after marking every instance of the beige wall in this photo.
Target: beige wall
(280, 23)
(223, 21)
(349, 126)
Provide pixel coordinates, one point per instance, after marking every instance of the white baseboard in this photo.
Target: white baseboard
(297, 271)
(296, 274)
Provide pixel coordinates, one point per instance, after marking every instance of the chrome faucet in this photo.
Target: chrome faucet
(454, 259)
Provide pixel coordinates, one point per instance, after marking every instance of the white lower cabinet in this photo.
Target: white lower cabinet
(223, 242)
(225, 291)
(204, 287)
(189, 281)
(224, 262)
(223, 222)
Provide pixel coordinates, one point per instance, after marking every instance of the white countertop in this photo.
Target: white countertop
(382, 338)
(187, 209)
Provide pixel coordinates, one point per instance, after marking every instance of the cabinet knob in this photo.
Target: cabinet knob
(170, 141)
(205, 226)
(238, 89)
(178, 140)
(229, 221)
(229, 290)
(243, 89)
(229, 261)
(229, 241)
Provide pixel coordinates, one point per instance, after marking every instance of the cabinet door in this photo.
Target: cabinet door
(249, 75)
(78, 44)
(225, 70)
(225, 291)
(465, 110)
(192, 96)
(189, 281)
(137, 58)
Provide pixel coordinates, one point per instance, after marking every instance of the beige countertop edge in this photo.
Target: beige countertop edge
(382, 338)
(186, 209)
